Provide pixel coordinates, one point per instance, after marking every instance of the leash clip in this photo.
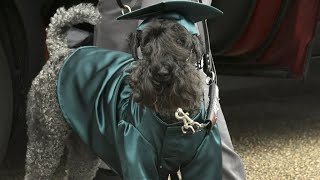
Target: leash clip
(188, 123)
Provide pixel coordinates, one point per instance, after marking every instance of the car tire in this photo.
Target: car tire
(6, 103)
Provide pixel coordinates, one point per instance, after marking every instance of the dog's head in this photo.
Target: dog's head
(165, 77)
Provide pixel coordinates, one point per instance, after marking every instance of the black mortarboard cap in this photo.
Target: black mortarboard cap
(193, 11)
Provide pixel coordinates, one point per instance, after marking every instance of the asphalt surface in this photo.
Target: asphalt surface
(275, 124)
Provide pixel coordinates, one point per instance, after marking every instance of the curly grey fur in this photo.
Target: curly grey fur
(53, 151)
(63, 20)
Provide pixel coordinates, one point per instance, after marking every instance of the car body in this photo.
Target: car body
(266, 38)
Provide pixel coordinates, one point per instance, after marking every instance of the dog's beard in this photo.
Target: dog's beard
(182, 87)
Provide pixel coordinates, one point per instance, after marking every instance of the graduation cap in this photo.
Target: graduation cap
(187, 13)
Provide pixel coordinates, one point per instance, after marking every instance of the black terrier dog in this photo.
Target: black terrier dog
(163, 78)
(166, 76)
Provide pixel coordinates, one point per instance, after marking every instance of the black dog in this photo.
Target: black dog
(166, 78)
(161, 78)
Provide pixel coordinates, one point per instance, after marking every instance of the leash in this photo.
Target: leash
(210, 71)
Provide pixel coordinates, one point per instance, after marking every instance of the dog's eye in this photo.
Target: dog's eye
(179, 42)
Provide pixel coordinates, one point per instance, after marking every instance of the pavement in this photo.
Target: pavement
(275, 124)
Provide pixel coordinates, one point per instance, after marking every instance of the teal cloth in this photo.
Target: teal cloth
(96, 101)
(190, 26)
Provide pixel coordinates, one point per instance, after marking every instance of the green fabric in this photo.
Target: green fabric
(94, 97)
(190, 26)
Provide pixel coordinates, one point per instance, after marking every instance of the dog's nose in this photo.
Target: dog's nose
(163, 73)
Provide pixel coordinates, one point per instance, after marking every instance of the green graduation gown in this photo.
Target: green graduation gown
(95, 99)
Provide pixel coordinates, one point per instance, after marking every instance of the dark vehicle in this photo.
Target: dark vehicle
(271, 38)
(266, 38)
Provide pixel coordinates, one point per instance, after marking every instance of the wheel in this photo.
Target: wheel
(20, 62)
(6, 103)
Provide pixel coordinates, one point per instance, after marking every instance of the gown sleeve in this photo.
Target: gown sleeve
(92, 94)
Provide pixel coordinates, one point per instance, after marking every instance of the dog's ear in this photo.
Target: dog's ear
(134, 43)
(198, 46)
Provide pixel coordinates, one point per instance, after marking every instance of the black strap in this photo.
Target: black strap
(120, 4)
(207, 58)
(208, 69)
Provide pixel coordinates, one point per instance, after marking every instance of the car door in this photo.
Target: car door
(265, 38)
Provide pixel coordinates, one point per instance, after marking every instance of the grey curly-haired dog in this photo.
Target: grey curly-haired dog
(163, 79)
(48, 133)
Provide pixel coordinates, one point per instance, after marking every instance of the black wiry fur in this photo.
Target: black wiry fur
(166, 78)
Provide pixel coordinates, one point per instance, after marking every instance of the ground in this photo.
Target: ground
(275, 125)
